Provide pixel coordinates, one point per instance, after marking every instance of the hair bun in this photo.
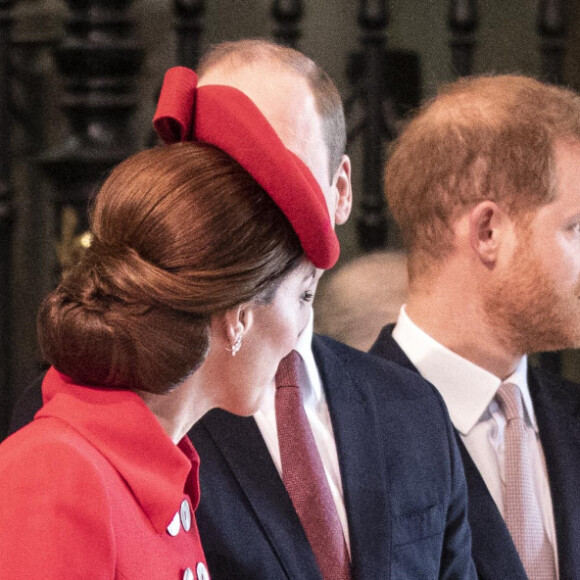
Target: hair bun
(110, 319)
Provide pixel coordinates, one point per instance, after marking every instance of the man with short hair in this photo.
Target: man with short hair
(394, 478)
(400, 512)
(299, 100)
(485, 185)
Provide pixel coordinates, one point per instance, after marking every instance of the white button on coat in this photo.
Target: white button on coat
(188, 574)
(202, 573)
(174, 527)
(185, 513)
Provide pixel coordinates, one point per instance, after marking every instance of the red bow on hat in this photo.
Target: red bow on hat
(226, 118)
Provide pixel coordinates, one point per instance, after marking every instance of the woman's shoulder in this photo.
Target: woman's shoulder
(55, 507)
(48, 449)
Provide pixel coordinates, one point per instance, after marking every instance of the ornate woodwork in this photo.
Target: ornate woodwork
(373, 19)
(189, 28)
(552, 31)
(98, 60)
(287, 15)
(462, 22)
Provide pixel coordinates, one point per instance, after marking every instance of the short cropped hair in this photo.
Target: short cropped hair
(481, 138)
(326, 95)
(181, 232)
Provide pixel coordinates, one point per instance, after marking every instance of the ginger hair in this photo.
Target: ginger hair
(481, 138)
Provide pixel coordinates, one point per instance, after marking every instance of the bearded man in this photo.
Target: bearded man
(485, 185)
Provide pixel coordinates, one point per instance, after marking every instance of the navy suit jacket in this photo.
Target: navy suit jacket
(557, 407)
(403, 483)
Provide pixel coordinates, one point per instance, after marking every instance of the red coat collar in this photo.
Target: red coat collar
(123, 429)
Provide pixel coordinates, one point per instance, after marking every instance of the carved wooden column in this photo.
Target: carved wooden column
(287, 15)
(98, 60)
(386, 85)
(189, 27)
(6, 210)
(373, 18)
(462, 23)
(552, 30)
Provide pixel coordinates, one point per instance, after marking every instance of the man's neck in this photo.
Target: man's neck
(460, 326)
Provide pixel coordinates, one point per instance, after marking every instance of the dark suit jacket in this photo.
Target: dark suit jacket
(557, 407)
(403, 485)
(403, 482)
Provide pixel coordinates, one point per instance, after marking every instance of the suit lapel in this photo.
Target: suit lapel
(386, 347)
(363, 475)
(557, 408)
(245, 451)
(493, 551)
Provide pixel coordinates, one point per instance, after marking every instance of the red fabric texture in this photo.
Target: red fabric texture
(89, 488)
(226, 118)
(303, 473)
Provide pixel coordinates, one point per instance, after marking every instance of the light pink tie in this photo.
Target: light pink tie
(303, 472)
(522, 511)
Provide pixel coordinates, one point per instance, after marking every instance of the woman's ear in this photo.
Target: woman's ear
(237, 322)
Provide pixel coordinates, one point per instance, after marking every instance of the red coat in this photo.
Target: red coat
(89, 489)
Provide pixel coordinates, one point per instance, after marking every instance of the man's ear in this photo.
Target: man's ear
(342, 182)
(488, 225)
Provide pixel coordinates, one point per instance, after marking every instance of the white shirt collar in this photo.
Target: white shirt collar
(311, 397)
(466, 388)
(304, 348)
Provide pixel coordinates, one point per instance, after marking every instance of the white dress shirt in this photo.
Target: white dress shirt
(468, 391)
(319, 418)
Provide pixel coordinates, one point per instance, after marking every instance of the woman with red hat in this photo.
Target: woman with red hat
(196, 285)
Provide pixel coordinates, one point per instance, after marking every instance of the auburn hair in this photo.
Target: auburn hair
(181, 232)
(481, 138)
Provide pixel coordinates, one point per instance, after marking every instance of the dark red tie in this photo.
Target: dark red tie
(303, 472)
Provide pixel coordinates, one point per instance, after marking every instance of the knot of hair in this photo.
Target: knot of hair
(106, 326)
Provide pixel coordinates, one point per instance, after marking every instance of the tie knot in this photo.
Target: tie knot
(509, 399)
(291, 371)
